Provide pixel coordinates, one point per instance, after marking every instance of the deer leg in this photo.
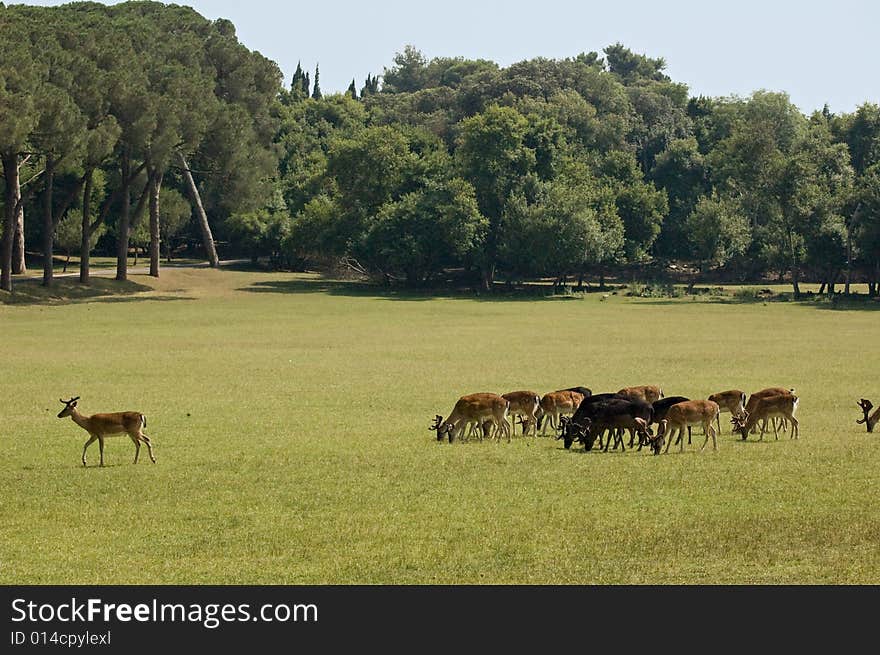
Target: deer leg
(689, 435)
(668, 433)
(88, 443)
(137, 446)
(709, 429)
(149, 443)
(101, 449)
(681, 438)
(794, 428)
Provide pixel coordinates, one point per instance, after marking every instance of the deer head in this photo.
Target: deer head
(69, 406)
(739, 423)
(866, 406)
(439, 427)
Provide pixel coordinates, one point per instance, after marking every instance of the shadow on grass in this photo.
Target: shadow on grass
(366, 290)
(67, 291)
(835, 303)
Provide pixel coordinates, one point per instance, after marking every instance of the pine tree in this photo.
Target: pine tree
(316, 93)
(352, 90)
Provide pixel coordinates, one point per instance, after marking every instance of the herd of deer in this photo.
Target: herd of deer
(591, 415)
(579, 415)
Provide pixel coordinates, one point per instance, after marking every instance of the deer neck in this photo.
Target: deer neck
(78, 418)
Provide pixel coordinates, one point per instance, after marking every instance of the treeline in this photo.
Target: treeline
(577, 167)
(437, 169)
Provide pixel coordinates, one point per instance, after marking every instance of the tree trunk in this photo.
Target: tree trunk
(487, 277)
(10, 172)
(66, 261)
(48, 224)
(122, 226)
(155, 186)
(850, 226)
(795, 267)
(86, 243)
(19, 265)
(204, 227)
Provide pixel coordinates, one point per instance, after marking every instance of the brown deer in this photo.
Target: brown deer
(782, 405)
(869, 421)
(732, 401)
(687, 414)
(764, 393)
(474, 408)
(555, 404)
(109, 425)
(649, 393)
(523, 404)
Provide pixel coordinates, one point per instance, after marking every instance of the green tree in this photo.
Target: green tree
(427, 230)
(681, 172)
(316, 91)
(21, 75)
(407, 74)
(493, 157)
(717, 230)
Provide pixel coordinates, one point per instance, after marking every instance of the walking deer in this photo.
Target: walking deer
(109, 425)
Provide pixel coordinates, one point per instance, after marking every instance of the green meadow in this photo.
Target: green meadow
(290, 419)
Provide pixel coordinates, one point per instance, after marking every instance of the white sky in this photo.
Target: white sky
(817, 51)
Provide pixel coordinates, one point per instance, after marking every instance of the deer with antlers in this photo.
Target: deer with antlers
(474, 408)
(109, 425)
(782, 405)
(687, 414)
(869, 421)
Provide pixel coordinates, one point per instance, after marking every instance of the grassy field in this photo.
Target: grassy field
(290, 419)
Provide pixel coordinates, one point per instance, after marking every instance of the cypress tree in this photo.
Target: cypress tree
(296, 86)
(316, 92)
(370, 86)
(305, 85)
(352, 91)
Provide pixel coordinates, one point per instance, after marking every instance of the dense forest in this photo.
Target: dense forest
(146, 126)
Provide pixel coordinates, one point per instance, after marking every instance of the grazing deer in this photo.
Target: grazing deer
(732, 401)
(109, 425)
(686, 414)
(553, 405)
(767, 408)
(764, 393)
(869, 421)
(475, 408)
(649, 393)
(523, 404)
